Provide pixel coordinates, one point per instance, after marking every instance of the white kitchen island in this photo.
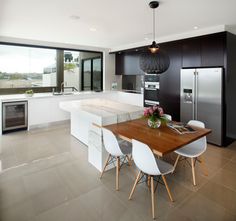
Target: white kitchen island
(101, 112)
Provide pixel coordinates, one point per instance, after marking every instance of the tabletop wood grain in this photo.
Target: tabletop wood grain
(162, 140)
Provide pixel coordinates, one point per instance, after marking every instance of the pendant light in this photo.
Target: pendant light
(154, 47)
(154, 60)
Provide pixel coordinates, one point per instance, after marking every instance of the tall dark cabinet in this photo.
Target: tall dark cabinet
(191, 52)
(214, 50)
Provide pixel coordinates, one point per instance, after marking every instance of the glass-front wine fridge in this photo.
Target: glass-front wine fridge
(14, 115)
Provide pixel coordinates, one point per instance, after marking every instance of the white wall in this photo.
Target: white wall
(109, 72)
(108, 59)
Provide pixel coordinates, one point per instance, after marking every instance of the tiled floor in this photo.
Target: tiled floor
(46, 177)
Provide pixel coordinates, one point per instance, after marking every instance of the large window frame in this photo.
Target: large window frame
(59, 65)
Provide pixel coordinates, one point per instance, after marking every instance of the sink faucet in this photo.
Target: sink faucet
(62, 87)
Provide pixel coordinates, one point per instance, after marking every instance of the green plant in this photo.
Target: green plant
(29, 92)
(69, 66)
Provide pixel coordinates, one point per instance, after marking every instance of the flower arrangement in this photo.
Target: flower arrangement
(154, 114)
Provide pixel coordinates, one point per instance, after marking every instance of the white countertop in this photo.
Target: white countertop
(99, 107)
(13, 97)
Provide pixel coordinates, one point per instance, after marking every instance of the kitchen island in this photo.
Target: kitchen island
(101, 112)
(43, 108)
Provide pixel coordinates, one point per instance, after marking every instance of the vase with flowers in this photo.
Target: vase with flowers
(154, 115)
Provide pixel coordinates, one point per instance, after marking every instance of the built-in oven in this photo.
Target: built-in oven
(151, 90)
(14, 115)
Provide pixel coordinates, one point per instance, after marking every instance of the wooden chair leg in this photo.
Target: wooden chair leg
(176, 161)
(117, 172)
(167, 188)
(108, 158)
(193, 171)
(152, 195)
(135, 184)
(149, 181)
(204, 168)
(129, 161)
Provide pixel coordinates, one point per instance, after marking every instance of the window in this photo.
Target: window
(42, 68)
(25, 67)
(82, 71)
(71, 70)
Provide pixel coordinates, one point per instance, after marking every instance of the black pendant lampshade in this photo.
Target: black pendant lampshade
(154, 61)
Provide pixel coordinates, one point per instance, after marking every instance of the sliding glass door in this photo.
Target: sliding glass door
(91, 74)
(97, 74)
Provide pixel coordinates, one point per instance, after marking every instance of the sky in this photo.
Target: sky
(15, 59)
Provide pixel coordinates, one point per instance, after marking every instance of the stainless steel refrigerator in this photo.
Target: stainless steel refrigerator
(201, 99)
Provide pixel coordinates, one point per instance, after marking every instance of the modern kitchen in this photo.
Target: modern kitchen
(110, 118)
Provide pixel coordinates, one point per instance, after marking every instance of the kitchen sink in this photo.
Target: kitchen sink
(62, 93)
(57, 93)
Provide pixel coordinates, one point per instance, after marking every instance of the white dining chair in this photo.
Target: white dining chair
(149, 165)
(193, 150)
(167, 117)
(116, 150)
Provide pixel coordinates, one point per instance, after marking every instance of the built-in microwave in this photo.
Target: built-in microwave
(151, 90)
(14, 115)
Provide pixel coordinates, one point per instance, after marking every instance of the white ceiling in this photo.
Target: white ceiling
(117, 22)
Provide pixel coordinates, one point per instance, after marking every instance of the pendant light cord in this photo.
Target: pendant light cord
(154, 24)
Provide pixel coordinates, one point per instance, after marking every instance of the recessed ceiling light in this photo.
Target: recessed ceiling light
(195, 27)
(75, 17)
(93, 29)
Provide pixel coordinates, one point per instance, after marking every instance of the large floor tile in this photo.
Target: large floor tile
(73, 210)
(12, 192)
(177, 216)
(19, 212)
(106, 206)
(225, 178)
(221, 195)
(230, 166)
(46, 190)
(76, 179)
(183, 176)
(200, 208)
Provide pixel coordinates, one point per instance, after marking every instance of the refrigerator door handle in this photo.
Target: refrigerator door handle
(196, 95)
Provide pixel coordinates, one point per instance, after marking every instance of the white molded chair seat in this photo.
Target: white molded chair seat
(194, 149)
(116, 149)
(188, 151)
(125, 147)
(164, 167)
(149, 165)
(167, 117)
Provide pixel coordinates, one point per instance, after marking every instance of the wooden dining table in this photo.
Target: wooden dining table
(162, 140)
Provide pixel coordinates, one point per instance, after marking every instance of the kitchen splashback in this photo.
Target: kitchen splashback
(132, 82)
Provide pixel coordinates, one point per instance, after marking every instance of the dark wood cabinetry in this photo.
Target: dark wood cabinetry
(191, 52)
(127, 63)
(204, 51)
(214, 50)
(120, 64)
(170, 81)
